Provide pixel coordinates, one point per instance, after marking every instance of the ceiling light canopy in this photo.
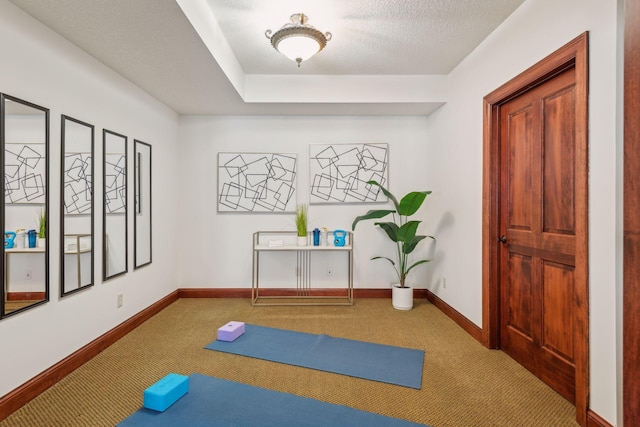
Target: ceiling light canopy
(298, 40)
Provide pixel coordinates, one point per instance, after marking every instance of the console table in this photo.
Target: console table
(302, 294)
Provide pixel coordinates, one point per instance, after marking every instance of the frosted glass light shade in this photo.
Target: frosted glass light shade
(298, 40)
(298, 48)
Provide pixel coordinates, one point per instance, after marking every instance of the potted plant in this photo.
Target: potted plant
(402, 233)
(42, 228)
(301, 224)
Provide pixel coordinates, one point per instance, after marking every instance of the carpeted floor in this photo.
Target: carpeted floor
(464, 384)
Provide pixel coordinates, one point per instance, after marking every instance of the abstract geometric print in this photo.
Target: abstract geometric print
(115, 185)
(256, 182)
(338, 173)
(24, 173)
(77, 183)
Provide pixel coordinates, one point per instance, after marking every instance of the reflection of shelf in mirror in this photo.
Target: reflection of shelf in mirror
(75, 251)
(25, 250)
(72, 248)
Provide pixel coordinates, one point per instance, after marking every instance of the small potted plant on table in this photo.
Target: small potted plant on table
(301, 224)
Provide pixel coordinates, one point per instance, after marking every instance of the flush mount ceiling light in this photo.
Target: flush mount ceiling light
(298, 40)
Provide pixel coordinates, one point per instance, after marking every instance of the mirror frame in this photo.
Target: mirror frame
(3, 99)
(139, 181)
(63, 124)
(106, 277)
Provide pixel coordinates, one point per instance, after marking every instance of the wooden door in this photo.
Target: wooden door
(537, 218)
(530, 283)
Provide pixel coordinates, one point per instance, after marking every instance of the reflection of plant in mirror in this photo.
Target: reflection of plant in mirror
(42, 224)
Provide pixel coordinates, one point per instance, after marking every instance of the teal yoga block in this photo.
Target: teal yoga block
(166, 392)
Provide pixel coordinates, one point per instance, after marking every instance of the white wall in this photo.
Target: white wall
(219, 244)
(535, 30)
(40, 67)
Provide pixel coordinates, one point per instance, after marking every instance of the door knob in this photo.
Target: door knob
(502, 239)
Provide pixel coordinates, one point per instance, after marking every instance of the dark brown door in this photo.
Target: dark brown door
(537, 223)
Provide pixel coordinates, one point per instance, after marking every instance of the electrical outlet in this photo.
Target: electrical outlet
(120, 298)
(444, 282)
(28, 275)
(329, 271)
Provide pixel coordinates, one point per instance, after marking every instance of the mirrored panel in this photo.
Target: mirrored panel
(142, 216)
(24, 141)
(114, 220)
(76, 213)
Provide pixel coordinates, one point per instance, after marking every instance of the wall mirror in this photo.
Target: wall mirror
(24, 141)
(142, 199)
(76, 207)
(114, 218)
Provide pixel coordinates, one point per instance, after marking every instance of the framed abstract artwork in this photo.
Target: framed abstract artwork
(256, 182)
(338, 173)
(77, 183)
(115, 185)
(25, 173)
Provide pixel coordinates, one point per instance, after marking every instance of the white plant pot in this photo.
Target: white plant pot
(402, 298)
(42, 242)
(302, 241)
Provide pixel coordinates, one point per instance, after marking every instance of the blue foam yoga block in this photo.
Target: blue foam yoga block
(230, 331)
(166, 392)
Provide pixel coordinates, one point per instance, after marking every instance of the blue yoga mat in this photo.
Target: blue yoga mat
(377, 362)
(216, 402)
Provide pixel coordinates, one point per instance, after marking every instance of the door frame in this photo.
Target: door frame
(631, 222)
(573, 54)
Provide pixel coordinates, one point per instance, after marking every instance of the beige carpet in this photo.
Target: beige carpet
(464, 384)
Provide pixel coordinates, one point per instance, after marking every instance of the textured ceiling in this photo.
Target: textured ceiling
(388, 37)
(153, 44)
